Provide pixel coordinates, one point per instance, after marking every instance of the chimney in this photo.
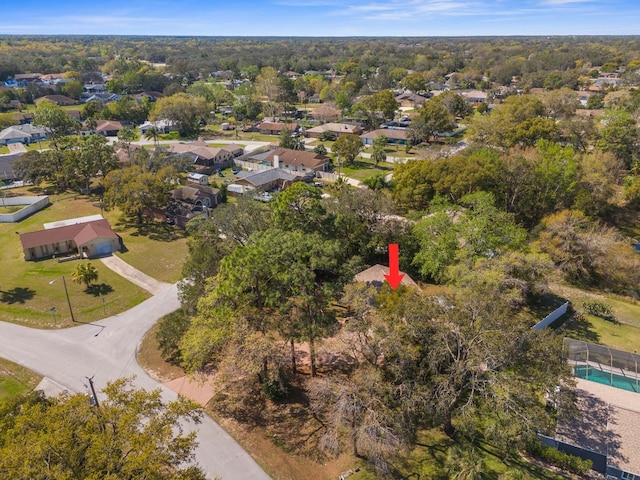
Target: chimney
(276, 161)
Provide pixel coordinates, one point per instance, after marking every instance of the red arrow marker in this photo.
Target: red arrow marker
(395, 277)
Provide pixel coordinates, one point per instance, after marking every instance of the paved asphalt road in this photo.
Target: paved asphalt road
(107, 349)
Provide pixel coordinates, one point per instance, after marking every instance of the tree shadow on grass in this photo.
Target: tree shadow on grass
(158, 231)
(16, 295)
(581, 328)
(98, 289)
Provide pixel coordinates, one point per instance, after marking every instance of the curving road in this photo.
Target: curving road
(107, 349)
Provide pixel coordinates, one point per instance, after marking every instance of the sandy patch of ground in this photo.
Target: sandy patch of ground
(197, 388)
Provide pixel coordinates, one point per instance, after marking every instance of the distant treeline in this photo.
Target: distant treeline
(499, 58)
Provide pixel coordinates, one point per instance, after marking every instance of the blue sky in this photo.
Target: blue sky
(323, 17)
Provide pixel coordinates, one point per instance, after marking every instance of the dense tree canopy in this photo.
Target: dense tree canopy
(132, 434)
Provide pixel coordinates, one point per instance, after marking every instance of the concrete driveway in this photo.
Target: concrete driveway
(106, 349)
(134, 275)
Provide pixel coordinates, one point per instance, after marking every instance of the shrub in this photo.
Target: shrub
(274, 389)
(171, 329)
(599, 309)
(327, 136)
(560, 459)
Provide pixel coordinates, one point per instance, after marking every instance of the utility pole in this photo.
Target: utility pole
(93, 391)
(64, 282)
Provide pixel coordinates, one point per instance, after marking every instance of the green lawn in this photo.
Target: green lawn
(624, 334)
(27, 296)
(363, 168)
(16, 380)
(157, 249)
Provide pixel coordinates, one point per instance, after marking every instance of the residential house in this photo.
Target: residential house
(92, 88)
(22, 118)
(24, 134)
(108, 128)
(92, 238)
(101, 98)
(337, 128)
(189, 202)
(7, 173)
(74, 114)
(200, 195)
(605, 419)
(393, 135)
(297, 160)
(275, 128)
(410, 100)
(205, 156)
(151, 95)
(60, 100)
(266, 180)
(54, 78)
(128, 155)
(583, 97)
(161, 126)
(325, 113)
(475, 96)
(198, 178)
(375, 276)
(24, 79)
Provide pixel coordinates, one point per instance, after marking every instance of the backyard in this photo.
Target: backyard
(622, 333)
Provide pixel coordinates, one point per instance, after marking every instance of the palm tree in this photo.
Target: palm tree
(152, 134)
(85, 273)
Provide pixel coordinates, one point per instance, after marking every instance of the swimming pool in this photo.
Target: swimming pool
(594, 375)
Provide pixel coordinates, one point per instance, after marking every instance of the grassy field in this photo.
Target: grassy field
(16, 380)
(27, 295)
(363, 168)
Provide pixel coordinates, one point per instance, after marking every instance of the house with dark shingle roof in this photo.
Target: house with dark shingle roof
(275, 128)
(93, 238)
(393, 136)
(297, 160)
(266, 180)
(206, 156)
(56, 99)
(410, 100)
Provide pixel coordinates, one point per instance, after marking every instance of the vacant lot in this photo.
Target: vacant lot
(30, 291)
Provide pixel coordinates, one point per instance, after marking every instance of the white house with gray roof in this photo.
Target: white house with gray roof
(25, 134)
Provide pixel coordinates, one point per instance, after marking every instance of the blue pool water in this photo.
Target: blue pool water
(594, 375)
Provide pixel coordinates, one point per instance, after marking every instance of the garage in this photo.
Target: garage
(103, 248)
